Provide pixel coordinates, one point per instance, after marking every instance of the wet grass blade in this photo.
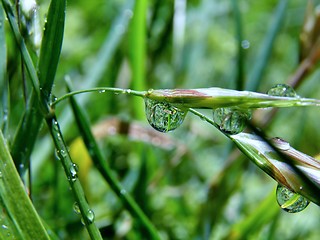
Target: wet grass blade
(255, 76)
(51, 45)
(289, 167)
(220, 97)
(16, 202)
(106, 172)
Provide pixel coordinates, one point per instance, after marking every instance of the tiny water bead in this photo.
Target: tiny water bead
(231, 121)
(163, 116)
(90, 216)
(76, 208)
(289, 201)
(73, 172)
(282, 90)
(281, 144)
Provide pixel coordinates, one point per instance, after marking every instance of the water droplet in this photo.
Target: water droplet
(0, 174)
(231, 121)
(123, 191)
(73, 172)
(76, 208)
(162, 116)
(282, 90)
(4, 226)
(281, 144)
(90, 216)
(102, 91)
(245, 44)
(289, 201)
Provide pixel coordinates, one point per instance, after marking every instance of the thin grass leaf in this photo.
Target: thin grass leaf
(255, 76)
(71, 173)
(4, 88)
(51, 45)
(49, 57)
(94, 72)
(22, 46)
(289, 167)
(17, 203)
(138, 52)
(240, 81)
(106, 172)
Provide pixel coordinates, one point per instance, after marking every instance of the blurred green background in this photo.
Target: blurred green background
(192, 183)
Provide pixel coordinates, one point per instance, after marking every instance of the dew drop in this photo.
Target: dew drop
(231, 121)
(102, 91)
(90, 216)
(123, 191)
(282, 90)
(73, 172)
(162, 116)
(0, 174)
(281, 144)
(76, 208)
(289, 201)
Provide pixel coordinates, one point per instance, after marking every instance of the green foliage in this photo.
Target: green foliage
(125, 180)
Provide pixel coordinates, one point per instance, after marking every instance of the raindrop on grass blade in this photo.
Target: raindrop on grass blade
(163, 116)
(290, 201)
(231, 121)
(282, 90)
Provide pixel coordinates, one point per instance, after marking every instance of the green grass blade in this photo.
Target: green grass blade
(255, 76)
(15, 199)
(106, 172)
(4, 88)
(239, 36)
(138, 52)
(51, 45)
(22, 46)
(289, 167)
(71, 173)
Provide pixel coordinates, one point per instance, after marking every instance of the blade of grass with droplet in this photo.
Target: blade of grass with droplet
(48, 62)
(138, 52)
(289, 167)
(16, 202)
(255, 75)
(220, 97)
(93, 74)
(106, 172)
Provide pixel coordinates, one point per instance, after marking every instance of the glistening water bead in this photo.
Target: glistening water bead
(289, 201)
(231, 121)
(282, 90)
(163, 116)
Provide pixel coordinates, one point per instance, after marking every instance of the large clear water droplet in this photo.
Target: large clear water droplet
(282, 90)
(162, 116)
(289, 201)
(231, 121)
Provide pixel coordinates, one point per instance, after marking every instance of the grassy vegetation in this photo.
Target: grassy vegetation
(94, 168)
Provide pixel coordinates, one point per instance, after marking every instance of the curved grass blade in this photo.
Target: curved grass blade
(106, 172)
(291, 168)
(17, 203)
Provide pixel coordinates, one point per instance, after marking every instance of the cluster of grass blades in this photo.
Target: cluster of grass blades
(116, 183)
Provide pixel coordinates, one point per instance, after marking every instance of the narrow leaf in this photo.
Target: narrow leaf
(15, 199)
